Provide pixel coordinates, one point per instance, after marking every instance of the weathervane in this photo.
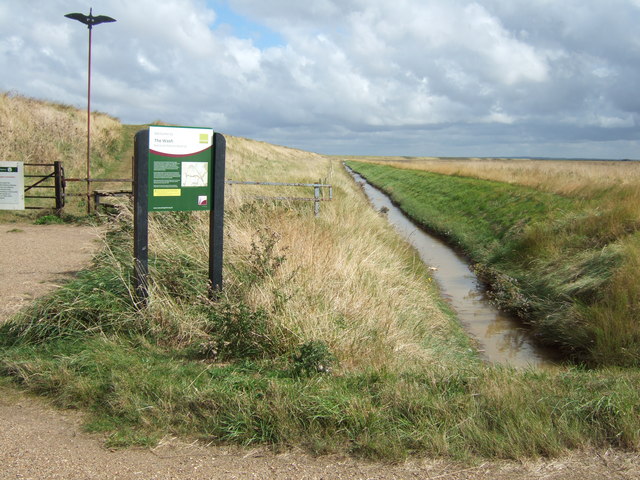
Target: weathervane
(89, 21)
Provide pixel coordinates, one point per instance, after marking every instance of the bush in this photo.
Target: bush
(238, 332)
(312, 357)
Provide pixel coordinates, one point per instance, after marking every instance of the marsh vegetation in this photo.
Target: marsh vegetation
(558, 242)
(329, 335)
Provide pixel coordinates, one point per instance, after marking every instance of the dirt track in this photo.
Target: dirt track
(38, 441)
(35, 258)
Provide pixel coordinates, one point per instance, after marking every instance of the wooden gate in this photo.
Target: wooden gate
(44, 182)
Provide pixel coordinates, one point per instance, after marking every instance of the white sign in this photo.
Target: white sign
(11, 186)
(179, 141)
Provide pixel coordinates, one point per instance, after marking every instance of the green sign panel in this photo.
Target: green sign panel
(180, 168)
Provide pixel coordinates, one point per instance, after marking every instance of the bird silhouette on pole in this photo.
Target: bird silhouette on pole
(90, 20)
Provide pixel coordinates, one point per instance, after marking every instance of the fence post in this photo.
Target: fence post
(316, 200)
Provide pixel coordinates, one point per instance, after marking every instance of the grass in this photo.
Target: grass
(566, 264)
(42, 132)
(572, 178)
(36, 131)
(329, 336)
(137, 393)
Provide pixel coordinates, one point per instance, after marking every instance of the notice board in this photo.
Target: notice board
(11, 186)
(180, 170)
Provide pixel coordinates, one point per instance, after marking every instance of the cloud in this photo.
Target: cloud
(358, 76)
(403, 62)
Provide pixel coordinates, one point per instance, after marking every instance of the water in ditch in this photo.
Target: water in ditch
(500, 338)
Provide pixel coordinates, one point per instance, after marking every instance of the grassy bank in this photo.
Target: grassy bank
(565, 263)
(575, 178)
(37, 131)
(329, 336)
(41, 132)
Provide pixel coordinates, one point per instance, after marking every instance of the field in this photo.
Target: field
(576, 178)
(563, 255)
(329, 336)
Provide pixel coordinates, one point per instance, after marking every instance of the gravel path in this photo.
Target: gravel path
(38, 441)
(35, 258)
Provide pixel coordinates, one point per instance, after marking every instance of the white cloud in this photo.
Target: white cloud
(246, 57)
(147, 64)
(497, 115)
(368, 74)
(614, 122)
(11, 45)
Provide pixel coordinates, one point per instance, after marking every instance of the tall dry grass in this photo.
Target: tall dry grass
(565, 177)
(40, 132)
(37, 131)
(344, 278)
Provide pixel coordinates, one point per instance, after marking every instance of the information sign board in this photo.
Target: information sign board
(11, 186)
(177, 169)
(180, 173)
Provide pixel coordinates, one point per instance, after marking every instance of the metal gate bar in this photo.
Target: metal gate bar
(318, 192)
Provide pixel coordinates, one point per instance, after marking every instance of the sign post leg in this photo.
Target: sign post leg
(141, 217)
(216, 219)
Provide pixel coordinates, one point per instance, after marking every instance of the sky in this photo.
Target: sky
(487, 78)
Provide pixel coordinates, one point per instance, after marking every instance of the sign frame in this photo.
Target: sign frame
(141, 190)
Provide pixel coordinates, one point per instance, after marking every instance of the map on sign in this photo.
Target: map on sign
(195, 174)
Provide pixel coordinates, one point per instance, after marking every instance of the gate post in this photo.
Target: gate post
(58, 171)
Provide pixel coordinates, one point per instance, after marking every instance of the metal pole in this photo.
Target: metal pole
(89, 21)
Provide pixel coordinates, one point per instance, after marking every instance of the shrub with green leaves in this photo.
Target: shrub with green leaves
(312, 358)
